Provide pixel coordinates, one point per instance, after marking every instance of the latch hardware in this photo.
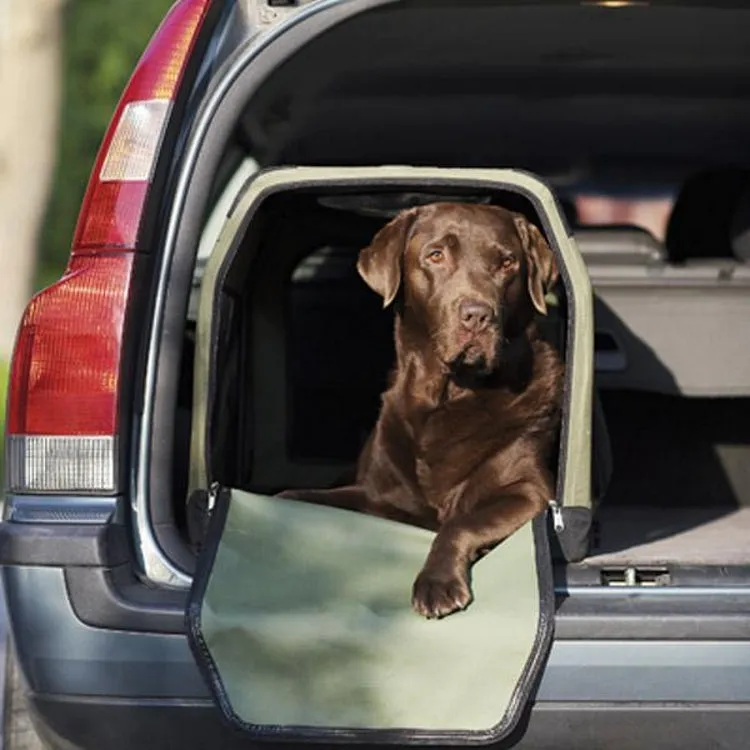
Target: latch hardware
(635, 577)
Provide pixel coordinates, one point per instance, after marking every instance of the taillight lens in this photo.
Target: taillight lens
(62, 419)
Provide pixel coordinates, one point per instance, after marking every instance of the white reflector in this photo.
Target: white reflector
(136, 141)
(40, 463)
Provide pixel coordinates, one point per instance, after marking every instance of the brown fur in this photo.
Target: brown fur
(463, 442)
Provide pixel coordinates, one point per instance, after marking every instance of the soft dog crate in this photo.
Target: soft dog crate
(299, 615)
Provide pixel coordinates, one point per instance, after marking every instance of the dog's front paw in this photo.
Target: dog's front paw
(436, 594)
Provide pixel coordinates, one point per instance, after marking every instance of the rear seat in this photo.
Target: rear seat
(672, 320)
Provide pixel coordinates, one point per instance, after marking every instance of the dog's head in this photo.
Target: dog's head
(472, 277)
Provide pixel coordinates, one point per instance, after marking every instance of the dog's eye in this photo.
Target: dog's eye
(436, 256)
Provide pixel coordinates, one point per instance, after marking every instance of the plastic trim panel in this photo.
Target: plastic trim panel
(60, 655)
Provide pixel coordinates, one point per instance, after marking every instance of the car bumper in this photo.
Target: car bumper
(100, 687)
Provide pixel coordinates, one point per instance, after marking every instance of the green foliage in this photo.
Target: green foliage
(103, 41)
(3, 387)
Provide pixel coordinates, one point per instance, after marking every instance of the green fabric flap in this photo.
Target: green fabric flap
(307, 619)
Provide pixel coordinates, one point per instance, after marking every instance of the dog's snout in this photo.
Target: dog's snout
(475, 316)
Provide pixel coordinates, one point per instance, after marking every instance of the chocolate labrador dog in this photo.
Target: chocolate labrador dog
(468, 424)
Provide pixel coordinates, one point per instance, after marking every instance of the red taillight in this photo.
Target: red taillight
(113, 217)
(65, 370)
(62, 419)
(112, 208)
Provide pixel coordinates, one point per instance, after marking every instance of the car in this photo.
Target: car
(629, 101)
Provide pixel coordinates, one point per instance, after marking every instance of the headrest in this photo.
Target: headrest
(701, 220)
(619, 244)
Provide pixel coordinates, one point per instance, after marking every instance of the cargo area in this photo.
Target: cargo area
(606, 110)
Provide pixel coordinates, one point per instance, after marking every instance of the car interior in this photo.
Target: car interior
(629, 102)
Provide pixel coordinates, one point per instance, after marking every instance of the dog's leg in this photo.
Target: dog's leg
(442, 587)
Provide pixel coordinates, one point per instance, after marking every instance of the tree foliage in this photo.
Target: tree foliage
(103, 41)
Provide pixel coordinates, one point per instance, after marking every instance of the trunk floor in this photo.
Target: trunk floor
(688, 535)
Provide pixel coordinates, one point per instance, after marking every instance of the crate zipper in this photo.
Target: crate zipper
(557, 517)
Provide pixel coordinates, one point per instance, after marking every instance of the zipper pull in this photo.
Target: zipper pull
(557, 516)
(212, 494)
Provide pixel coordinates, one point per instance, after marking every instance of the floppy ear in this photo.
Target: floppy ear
(541, 264)
(379, 263)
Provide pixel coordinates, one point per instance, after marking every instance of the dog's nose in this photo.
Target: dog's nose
(475, 316)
